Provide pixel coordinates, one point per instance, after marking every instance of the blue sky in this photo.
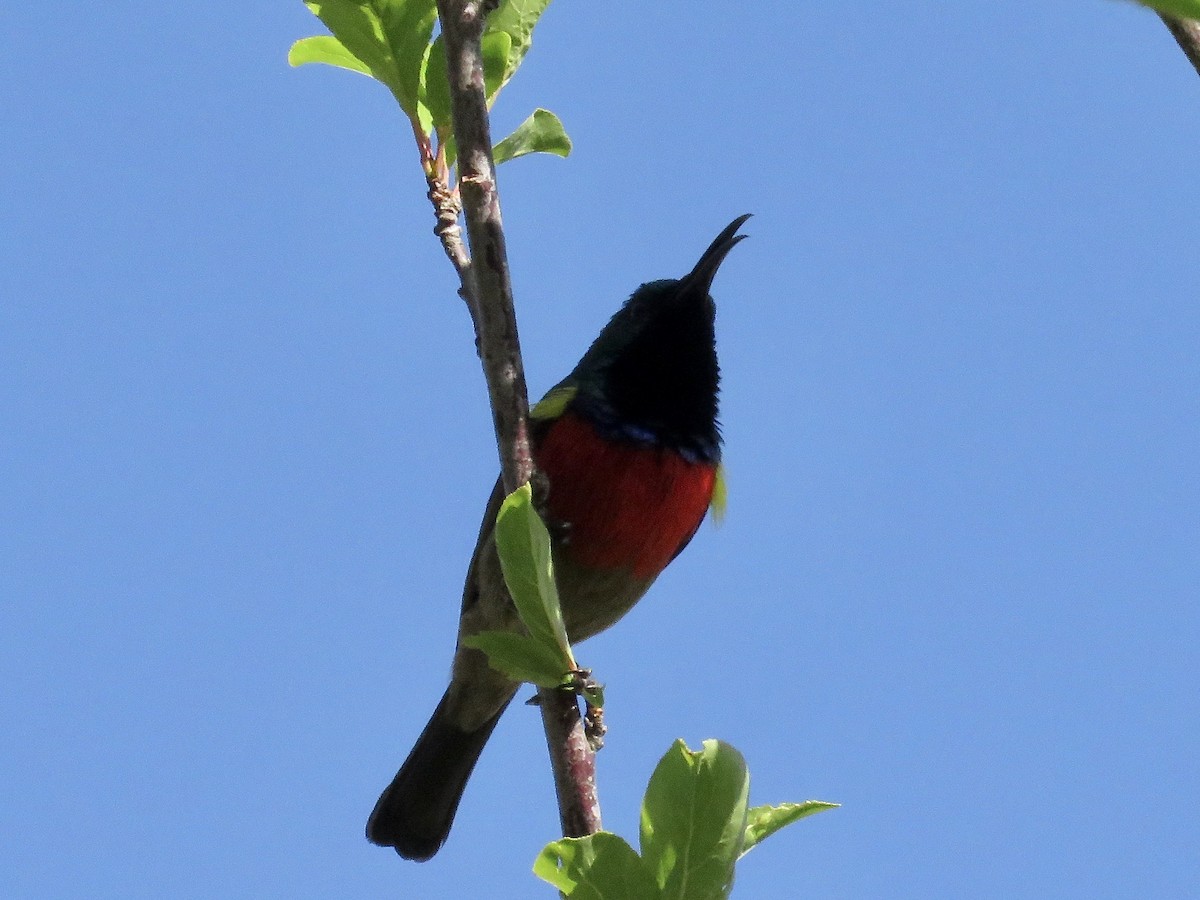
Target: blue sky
(244, 445)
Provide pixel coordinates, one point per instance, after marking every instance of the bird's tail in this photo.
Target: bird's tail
(415, 811)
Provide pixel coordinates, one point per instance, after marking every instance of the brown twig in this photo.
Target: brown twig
(1187, 34)
(573, 762)
(489, 283)
(488, 289)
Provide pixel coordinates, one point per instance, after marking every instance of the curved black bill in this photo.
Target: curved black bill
(706, 269)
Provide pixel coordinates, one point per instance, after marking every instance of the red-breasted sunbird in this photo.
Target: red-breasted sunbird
(630, 450)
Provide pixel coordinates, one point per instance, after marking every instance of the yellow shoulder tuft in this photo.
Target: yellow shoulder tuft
(554, 404)
(720, 495)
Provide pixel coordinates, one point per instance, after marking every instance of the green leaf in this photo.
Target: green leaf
(542, 132)
(327, 49)
(519, 656)
(1180, 9)
(764, 821)
(524, 546)
(408, 26)
(389, 39)
(424, 115)
(694, 820)
(435, 85)
(600, 866)
(516, 18)
(358, 28)
(496, 47)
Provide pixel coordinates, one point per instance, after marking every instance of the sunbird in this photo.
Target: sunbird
(630, 450)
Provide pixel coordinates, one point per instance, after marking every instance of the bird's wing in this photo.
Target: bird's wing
(484, 542)
(546, 410)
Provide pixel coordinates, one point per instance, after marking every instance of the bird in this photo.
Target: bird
(628, 446)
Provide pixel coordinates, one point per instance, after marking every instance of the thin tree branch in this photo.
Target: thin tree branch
(1187, 35)
(495, 321)
(573, 762)
(446, 210)
(488, 288)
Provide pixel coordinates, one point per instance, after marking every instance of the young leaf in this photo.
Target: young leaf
(408, 27)
(435, 87)
(600, 866)
(520, 657)
(325, 48)
(448, 143)
(1181, 9)
(516, 18)
(496, 47)
(358, 28)
(389, 39)
(524, 546)
(764, 821)
(694, 820)
(542, 132)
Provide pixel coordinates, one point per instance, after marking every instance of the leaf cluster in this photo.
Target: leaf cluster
(695, 826)
(393, 42)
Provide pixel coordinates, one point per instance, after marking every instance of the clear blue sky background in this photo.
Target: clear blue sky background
(244, 445)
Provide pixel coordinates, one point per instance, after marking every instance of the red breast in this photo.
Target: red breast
(626, 506)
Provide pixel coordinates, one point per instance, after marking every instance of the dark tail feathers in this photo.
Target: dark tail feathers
(415, 812)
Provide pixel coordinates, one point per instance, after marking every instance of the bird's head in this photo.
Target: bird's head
(652, 375)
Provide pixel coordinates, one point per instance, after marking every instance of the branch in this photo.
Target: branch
(573, 762)
(488, 277)
(1187, 35)
(488, 290)
(446, 209)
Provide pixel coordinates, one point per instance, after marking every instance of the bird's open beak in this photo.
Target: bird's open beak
(706, 269)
